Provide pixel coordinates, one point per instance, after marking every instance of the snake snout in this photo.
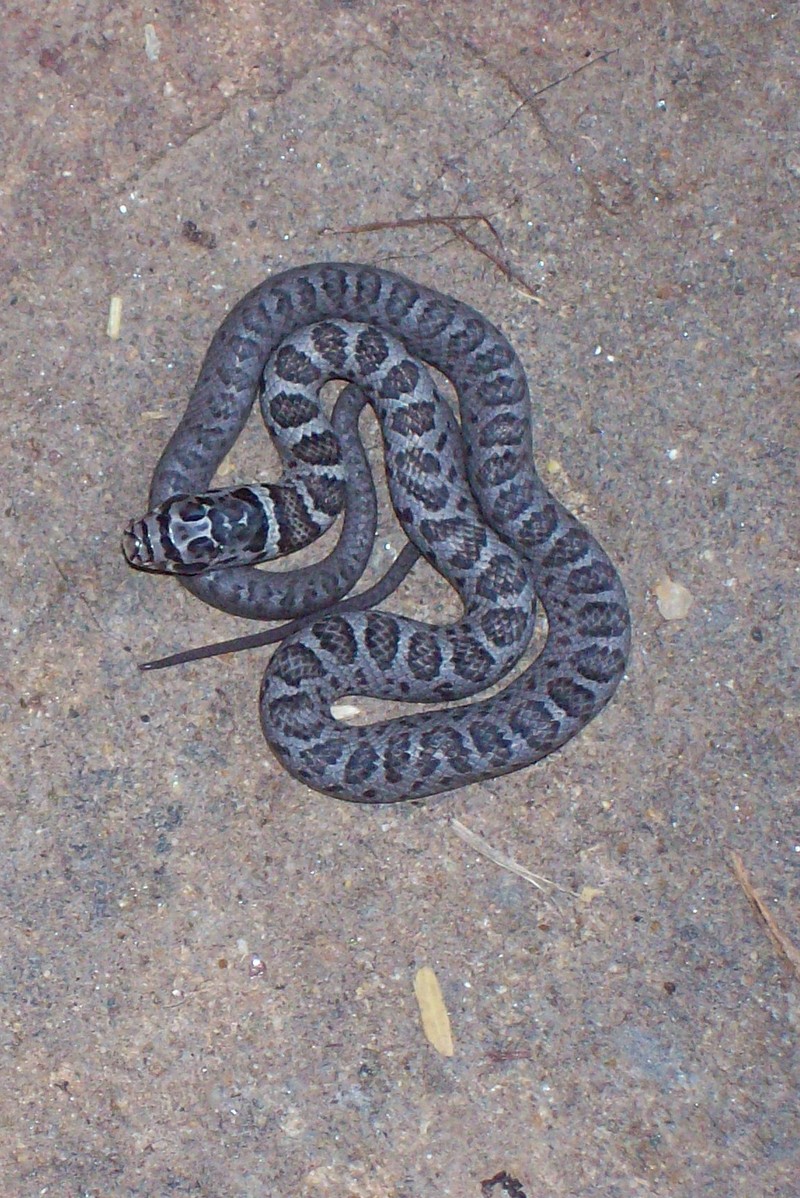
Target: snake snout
(136, 546)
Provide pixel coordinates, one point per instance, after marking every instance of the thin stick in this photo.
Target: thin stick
(454, 223)
(548, 86)
(778, 937)
(483, 847)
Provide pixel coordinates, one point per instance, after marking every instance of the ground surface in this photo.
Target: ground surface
(207, 970)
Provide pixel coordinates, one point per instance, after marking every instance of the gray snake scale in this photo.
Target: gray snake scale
(467, 496)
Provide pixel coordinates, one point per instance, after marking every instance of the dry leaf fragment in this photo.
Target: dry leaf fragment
(433, 1012)
(114, 323)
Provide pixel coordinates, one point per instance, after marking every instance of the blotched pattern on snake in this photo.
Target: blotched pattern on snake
(467, 496)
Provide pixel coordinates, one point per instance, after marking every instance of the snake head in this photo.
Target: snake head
(172, 539)
(189, 534)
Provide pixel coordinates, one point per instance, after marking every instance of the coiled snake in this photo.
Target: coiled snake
(467, 496)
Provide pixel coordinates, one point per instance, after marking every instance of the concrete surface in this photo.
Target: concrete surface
(207, 970)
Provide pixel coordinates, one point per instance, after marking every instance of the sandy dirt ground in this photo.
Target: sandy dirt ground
(207, 970)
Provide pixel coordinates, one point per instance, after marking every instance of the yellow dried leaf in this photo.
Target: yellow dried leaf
(433, 1012)
(114, 323)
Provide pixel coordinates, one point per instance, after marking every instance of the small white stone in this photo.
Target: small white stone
(673, 599)
(152, 46)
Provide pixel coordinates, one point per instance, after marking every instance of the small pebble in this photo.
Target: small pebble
(673, 599)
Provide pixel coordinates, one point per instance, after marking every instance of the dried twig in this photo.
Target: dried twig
(555, 83)
(455, 225)
(182, 996)
(483, 847)
(73, 588)
(416, 222)
(779, 938)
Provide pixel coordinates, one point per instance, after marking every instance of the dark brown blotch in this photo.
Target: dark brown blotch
(293, 715)
(371, 350)
(400, 380)
(293, 366)
(361, 764)
(326, 492)
(535, 723)
(602, 620)
(413, 420)
(470, 660)
(570, 547)
(490, 740)
(600, 664)
(504, 626)
(505, 467)
(424, 655)
(503, 577)
(576, 701)
(291, 409)
(592, 578)
(294, 663)
(336, 638)
(397, 756)
(330, 340)
(318, 449)
(382, 639)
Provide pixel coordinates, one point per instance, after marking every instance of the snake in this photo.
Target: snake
(467, 495)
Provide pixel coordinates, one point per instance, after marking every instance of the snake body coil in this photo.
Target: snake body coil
(467, 496)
